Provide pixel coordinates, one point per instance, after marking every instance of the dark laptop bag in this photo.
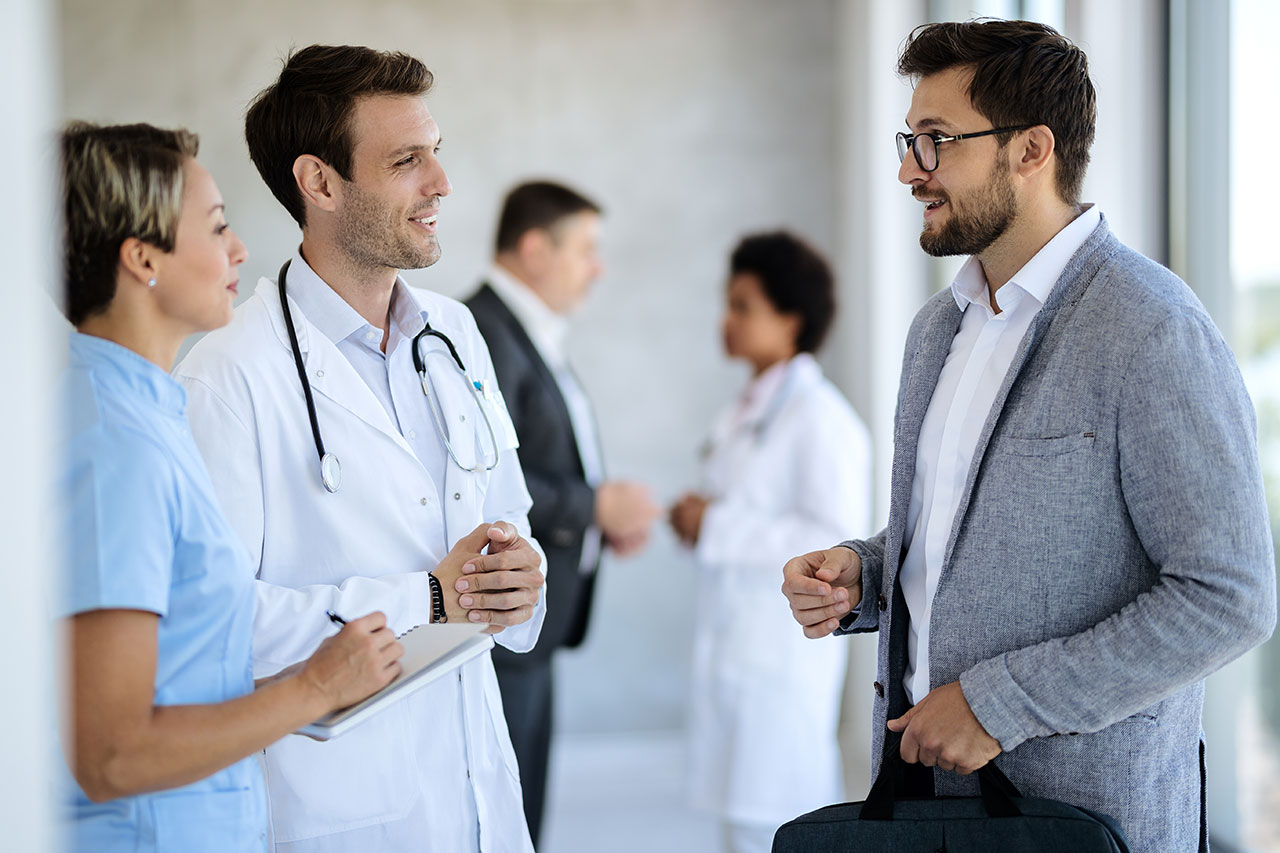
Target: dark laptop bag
(999, 820)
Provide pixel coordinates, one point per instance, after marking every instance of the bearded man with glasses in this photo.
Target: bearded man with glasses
(1077, 532)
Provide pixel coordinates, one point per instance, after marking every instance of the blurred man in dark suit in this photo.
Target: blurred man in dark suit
(545, 261)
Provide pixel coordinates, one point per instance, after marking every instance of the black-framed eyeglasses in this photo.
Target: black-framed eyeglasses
(925, 145)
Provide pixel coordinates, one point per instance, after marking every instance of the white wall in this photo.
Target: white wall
(27, 566)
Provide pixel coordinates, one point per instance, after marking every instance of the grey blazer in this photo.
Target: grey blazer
(1111, 548)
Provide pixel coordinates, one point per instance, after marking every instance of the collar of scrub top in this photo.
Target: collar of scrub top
(330, 467)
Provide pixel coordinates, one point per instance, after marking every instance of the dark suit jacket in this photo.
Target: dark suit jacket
(563, 503)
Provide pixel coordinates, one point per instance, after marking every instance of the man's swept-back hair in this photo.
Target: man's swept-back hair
(118, 182)
(537, 205)
(308, 110)
(1024, 73)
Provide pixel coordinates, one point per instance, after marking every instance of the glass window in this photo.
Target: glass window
(1255, 277)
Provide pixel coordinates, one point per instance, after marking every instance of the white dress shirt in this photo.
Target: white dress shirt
(980, 356)
(547, 330)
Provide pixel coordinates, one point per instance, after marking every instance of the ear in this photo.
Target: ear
(316, 181)
(534, 248)
(795, 324)
(138, 260)
(1035, 152)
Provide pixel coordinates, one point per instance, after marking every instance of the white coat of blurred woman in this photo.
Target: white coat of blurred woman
(786, 469)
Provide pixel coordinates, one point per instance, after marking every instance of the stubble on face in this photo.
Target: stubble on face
(976, 223)
(374, 235)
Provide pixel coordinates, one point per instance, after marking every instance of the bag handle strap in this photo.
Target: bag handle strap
(998, 793)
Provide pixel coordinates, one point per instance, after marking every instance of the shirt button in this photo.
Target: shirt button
(319, 374)
(413, 434)
(457, 496)
(879, 689)
(370, 335)
(423, 501)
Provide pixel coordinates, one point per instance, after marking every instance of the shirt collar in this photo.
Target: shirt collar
(545, 328)
(335, 318)
(119, 367)
(1037, 276)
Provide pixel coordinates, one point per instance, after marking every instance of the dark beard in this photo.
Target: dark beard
(990, 214)
(367, 235)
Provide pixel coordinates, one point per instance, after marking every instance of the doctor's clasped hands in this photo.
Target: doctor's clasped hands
(500, 587)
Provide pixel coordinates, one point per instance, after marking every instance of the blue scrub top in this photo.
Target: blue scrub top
(144, 532)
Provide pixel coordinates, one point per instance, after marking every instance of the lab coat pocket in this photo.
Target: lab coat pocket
(207, 821)
(497, 719)
(363, 778)
(475, 426)
(504, 430)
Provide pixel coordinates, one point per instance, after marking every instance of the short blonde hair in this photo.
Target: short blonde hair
(118, 182)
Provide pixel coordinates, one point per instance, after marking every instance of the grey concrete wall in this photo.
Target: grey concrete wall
(692, 121)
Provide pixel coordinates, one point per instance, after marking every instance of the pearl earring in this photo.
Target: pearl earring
(151, 283)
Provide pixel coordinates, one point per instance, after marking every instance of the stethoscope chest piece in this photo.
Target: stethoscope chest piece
(330, 473)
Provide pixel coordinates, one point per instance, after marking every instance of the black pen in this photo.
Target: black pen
(335, 618)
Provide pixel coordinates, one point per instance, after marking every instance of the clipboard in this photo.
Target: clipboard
(430, 651)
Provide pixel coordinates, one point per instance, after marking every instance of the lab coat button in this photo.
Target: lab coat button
(462, 417)
(319, 374)
(423, 501)
(879, 689)
(457, 496)
(881, 603)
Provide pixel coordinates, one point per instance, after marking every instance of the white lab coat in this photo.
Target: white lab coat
(792, 476)
(365, 548)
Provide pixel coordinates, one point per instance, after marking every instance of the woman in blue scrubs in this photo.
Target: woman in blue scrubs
(164, 710)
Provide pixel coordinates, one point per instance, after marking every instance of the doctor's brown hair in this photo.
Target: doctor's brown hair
(1024, 73)
(118, 181)
(307, 110)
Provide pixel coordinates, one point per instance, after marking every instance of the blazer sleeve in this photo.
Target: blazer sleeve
(1192, 486)
(865, 619)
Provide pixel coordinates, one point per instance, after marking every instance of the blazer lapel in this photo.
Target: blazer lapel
(494, 303)
(1069, 289)
(920, 379)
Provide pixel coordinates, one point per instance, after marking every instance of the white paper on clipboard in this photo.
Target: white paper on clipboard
(430, 651)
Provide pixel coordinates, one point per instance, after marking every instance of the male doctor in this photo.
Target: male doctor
(418, 457)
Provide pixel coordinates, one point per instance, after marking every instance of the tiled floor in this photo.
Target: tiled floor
(622, 793)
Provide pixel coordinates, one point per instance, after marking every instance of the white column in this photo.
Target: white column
(27, 565)
(1128, 170)
(883, 280)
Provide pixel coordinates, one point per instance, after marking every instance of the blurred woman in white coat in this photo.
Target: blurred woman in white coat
(787, 467)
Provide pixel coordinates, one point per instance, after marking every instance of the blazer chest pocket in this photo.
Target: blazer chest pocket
(1041, 447)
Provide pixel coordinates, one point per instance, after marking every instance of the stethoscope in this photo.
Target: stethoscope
(330, 468)
(760, 425)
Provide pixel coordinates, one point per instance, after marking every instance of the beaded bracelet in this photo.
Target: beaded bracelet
(437, 599)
